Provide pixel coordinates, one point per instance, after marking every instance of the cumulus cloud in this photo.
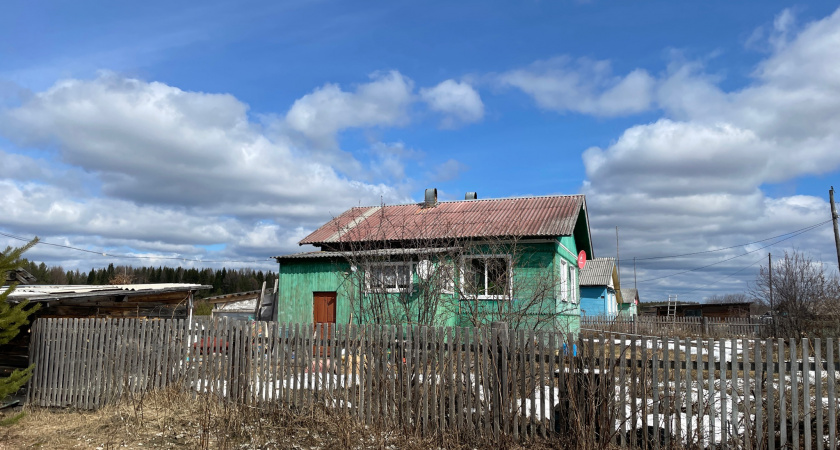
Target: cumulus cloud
(384, 101)
(161, 167)
(584, 86)
(694, 180)
(459, 102)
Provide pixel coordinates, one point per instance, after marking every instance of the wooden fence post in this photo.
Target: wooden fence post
(500, 401)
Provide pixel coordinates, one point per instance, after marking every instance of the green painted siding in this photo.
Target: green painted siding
(536, 284)
(300, 279)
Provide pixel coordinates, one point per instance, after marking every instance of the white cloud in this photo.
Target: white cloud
(162, 168)
(382, 102)
(695, 179)
(459, 102)
(583, 86)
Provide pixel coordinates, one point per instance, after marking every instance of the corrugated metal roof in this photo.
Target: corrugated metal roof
(46, 292)
(629, 295)
(527, 216)
(597, 272)
(383, 252)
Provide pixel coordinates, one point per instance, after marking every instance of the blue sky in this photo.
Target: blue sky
(228, 130)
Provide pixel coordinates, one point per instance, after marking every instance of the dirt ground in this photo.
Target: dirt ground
(172, 420)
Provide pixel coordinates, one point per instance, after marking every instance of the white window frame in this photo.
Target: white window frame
(573, 284)
(564, 281)
(395, 289)
(463, 280)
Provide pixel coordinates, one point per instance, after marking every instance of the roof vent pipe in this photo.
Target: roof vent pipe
(431, 198)
(471, 196)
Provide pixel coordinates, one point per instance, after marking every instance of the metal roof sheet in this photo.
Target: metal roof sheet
(48, 292)
(525, 216)
(597, 272)
(382, 252)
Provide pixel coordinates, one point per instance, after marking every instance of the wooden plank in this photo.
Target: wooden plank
(87, 358)
(770, 393)
(532, 384)
(689, 390)
(818, 384)
(34, 343)
(748, 408)
(397, 363)
(710, 377)
(515, 381)
(552, 372)
(794, 394)
(358, 370)
(759, 417)
(282, 342)
(678, 359)
(782, 402)
(622, 396)
(666, 388)
(724, 438)
(542, 382)
(656, 389)
(806, 393)
(733, 410)
(450, 379)
(476, 381)
(370, 363)
(493, 374)
(634, 394)
(832, 400)
(64, 361)
(523, 383)
(340, 382)
(298, 366)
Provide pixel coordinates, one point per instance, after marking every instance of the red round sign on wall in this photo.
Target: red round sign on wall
(581, 259)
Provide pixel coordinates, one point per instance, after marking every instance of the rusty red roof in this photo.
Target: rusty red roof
(527, 216)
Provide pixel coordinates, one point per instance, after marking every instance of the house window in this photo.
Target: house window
(573, 284)
(487, 276)
(564, 281)
(389, 277)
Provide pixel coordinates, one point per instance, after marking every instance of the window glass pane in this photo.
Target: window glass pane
(474, 276)
(497, 276)
(389, 276)
(376, 277)
(403, 276)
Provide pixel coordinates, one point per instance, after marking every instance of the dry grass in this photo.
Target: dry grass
(173, 419)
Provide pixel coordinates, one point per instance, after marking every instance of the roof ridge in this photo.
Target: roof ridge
(524, 197)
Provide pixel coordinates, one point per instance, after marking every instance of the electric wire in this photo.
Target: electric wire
(801, 231)
(808, 228)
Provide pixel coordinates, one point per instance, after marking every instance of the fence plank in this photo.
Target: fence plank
(806, 391)
(818, 384)
(832, 402)
(794, 393)
(781, 393)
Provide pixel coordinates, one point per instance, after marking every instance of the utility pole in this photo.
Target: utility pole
(834, 219)
(617, 261)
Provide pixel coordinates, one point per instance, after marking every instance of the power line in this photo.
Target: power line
(723, 278)
(808, 228)
(118, 255)
(801, 231)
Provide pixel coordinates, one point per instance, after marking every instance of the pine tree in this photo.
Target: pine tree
(12, 318)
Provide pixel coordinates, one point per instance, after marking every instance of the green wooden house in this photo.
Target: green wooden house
(455, 263)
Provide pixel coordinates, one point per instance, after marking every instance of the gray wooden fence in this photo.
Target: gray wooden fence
(635, 391)
(678, 326)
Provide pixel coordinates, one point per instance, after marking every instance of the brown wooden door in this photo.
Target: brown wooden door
(324, 307)
(324, 314)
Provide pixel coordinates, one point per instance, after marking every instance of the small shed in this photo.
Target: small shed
(163, 301)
